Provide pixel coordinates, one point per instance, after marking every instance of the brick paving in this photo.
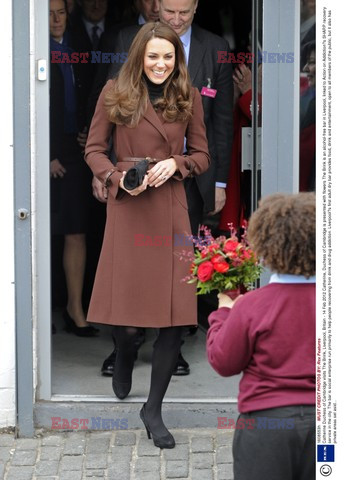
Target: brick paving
(200, 454)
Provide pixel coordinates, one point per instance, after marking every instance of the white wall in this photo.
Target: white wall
(7, 309)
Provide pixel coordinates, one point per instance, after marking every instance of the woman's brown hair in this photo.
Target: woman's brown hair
(127, 100)
(282, 233)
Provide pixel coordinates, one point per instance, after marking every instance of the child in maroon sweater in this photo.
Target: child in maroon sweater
(269, 335)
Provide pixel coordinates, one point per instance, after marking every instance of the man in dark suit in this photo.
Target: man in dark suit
(90, 30)
(206, 193)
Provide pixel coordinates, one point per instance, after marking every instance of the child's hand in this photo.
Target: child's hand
(226, 301)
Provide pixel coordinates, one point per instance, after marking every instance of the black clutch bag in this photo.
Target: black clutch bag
(135, 175)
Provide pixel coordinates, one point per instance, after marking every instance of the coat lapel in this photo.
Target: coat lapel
(152, 117)
(197, 50)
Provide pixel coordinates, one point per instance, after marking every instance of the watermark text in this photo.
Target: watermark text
(88, 57)
(259, 423)
(93, 423)
(247, 57)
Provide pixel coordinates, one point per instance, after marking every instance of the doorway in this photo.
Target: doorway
(77, 362)
(69, 367)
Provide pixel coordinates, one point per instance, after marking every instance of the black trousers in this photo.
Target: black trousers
(194, 203)
(281, 446)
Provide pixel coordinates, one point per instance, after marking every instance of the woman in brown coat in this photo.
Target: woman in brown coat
(149, 109)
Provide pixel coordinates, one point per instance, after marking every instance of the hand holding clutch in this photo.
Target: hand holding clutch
(135, 175)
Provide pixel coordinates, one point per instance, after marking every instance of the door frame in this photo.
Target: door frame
(280, 84)
(23, 218)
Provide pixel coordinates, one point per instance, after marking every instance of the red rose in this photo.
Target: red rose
(230, 246)
(205, 271)
(219, 263)
(221, 267)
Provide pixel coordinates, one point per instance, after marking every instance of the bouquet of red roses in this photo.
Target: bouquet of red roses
(223, 264)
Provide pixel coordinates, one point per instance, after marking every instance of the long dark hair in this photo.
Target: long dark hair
(127, 101)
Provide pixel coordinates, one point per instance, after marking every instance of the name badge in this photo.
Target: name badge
(208, 92)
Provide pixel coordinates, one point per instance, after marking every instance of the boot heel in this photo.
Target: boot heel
(166, 441)
(141, 414)
(148, 432)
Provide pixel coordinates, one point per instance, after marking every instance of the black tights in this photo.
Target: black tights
(165, 354)
(127, 345)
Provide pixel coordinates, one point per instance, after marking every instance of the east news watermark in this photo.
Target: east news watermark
(93, 423)
(248, 57)
(258, 423)
(120, 57)
(88, 57)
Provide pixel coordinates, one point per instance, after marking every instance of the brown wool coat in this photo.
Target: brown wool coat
(139, 275)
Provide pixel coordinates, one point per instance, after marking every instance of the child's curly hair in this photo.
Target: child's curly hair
(282, 233)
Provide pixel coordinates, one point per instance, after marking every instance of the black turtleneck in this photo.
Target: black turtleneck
(155, 90)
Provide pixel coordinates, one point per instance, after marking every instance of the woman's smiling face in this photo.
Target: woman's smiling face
(159, 60)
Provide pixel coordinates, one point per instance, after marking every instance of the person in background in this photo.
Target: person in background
(147, 11)
(307, 21)
(92, 31)
(147, 110)
(70, 179)
(238, 190)
(268, 335)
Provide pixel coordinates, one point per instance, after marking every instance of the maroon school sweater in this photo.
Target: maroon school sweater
(269, 335)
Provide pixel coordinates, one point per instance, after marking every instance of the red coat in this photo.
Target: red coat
(139, 275)
(307, 157)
